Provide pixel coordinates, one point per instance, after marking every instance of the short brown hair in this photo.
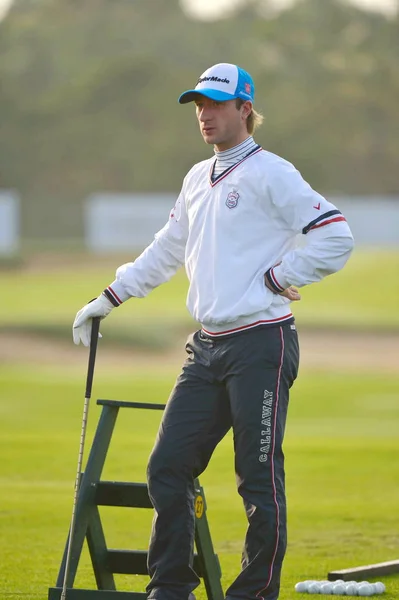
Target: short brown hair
(254, 119)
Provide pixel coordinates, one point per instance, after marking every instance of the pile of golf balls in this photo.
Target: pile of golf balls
(340, 587)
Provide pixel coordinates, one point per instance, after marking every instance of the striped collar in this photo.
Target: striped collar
(254, 150)
(226, 158)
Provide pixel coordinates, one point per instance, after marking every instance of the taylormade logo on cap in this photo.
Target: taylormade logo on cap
(222, 82)
(213, 78)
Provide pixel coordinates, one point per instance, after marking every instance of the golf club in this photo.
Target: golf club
(89, 381)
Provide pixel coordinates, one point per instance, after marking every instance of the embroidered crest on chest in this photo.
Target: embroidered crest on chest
(232, 199)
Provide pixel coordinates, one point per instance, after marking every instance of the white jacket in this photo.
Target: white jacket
(229, 232)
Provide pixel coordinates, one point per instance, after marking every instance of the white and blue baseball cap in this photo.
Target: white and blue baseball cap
(222, 82)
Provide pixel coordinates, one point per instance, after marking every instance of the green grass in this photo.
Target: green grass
(342, 441)
(362, 296)
(342, 449)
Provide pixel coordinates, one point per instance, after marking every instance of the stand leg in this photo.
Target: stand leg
(203, 541)
(87, 490)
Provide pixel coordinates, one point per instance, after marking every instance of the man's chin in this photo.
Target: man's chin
(209, 139)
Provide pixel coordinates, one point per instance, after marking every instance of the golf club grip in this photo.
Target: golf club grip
(95, 328)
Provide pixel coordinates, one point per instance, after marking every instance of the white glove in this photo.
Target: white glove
(100, 307)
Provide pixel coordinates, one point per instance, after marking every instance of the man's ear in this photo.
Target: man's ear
(247, 109)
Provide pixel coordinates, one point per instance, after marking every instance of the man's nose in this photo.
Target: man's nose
(204, 114)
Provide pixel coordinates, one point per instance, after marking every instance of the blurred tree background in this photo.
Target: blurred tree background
(88, 97)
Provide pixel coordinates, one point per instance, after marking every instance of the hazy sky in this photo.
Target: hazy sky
(214, 8)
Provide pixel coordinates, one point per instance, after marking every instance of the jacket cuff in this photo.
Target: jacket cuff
(276, 280)
(115, 293)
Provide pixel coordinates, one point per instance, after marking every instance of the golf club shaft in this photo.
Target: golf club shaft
(89, 382)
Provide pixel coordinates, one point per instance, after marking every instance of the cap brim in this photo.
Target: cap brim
(191, 95)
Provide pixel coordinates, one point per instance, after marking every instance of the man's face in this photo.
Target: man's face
(221, 123)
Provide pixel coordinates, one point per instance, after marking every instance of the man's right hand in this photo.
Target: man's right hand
(291, 293)
(100, 307)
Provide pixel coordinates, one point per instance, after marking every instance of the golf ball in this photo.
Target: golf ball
(338, 588)
(351, 588)
(314, 588)
(365, 589)
(379, 587)
(326, 588)
(301, 586)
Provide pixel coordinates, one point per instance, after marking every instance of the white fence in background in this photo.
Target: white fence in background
(9, 222)
(127, 222)
(115, 222)
(374, 221)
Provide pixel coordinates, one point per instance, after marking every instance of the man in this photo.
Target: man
(234, 227)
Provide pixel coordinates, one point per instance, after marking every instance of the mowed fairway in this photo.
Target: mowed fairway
(342, 442)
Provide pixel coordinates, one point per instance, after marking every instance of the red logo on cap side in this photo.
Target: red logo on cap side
(248, 88)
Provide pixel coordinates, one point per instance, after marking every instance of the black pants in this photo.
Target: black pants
(242, 382)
